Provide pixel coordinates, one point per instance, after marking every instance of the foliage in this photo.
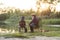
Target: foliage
(4, 16)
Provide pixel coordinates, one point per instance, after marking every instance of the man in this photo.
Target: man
(34, 23)
(22, 24)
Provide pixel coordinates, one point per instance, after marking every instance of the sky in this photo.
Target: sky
(22, 4)
(27, 4)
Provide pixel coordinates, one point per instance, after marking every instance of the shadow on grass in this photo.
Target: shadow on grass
(16, 35)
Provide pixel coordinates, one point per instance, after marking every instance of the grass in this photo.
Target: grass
(29, 35)
(51, 28)
(51, 21)
(53, 31)
(52, 34)
(17, 35)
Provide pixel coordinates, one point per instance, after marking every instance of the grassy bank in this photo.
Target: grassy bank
(51, 21)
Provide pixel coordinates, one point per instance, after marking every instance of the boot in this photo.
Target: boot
(31, 28)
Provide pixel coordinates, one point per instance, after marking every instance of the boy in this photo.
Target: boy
(22, 24)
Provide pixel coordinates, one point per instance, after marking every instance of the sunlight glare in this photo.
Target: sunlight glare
(58, 7)
(44, 6)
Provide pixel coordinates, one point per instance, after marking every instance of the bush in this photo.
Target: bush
(4, 16)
